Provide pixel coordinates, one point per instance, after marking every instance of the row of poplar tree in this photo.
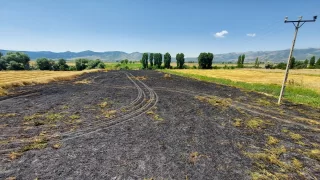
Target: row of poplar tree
(154, 60)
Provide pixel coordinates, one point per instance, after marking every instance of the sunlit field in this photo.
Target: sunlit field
(303, 85)
(307, 78)
(10, 79)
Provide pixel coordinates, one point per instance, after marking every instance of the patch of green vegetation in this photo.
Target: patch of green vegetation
(295, 136)
(39, 143)
(32, 117)
(256, 123)
(265, 175)
(103, 104)
(237, 122)
(264, 102)
(65, 107)
(4, 141)
(297, 164)
(130, 66)
(272, 140)
(54, 117)
(284, 130)
(293, 93)
(266, 158)
(314, 154)
(74, 117)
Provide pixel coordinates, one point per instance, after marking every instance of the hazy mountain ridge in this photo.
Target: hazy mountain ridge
(274, 56)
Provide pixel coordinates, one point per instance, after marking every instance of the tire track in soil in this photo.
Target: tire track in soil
(135, 111)
(153, 99)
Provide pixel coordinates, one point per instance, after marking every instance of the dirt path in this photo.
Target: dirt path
(141, 124)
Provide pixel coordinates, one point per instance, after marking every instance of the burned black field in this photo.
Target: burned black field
(151, 125)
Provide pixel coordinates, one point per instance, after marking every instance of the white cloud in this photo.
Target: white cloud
(221, 34)
(251, 34)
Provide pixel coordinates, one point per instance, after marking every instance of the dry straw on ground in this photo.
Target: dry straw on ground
(9, 79)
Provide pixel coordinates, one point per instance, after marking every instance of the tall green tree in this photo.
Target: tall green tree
(1, 54)
(242, 58)
(317, 65)
(151, 59)
(256, 63)
(292, 62)
(167, 60)
(180, 60)
(239, 61)
(312, 61)
(306, 62)
(205, 60)
(157, 59)
(145, 60)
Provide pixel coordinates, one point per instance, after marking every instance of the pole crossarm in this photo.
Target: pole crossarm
(300, 21)
(297, 26)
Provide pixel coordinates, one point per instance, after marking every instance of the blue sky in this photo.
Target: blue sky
(188, 26)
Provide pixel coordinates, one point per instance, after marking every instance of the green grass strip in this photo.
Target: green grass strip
(297, 95)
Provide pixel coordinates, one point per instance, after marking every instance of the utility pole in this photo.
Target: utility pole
(297, 26)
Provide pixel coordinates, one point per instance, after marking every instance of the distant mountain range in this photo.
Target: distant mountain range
(274, 56)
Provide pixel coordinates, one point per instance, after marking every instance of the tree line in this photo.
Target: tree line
(21, 61)
(154, 61)
(310, 64)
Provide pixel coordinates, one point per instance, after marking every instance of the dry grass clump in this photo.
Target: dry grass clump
(84, 81)
(103, 104)
(215, 101)
(14, 155)
(140, 77)
(110, 114)
(154, 115)
(269, 158)
(9, 79)
(6, 115)
(57, 146)
(167, 76)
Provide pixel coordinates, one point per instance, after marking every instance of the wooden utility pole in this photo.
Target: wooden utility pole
(297, 26)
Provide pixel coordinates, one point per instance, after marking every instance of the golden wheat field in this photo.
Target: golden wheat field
(10, 79)
(307, 78)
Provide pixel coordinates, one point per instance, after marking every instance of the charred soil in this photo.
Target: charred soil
(145, 124)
